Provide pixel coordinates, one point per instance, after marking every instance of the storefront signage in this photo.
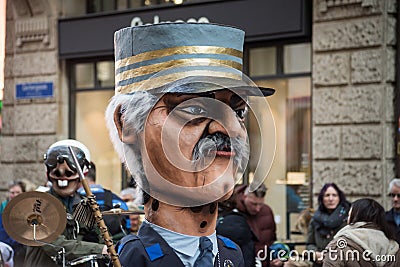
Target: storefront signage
(137, 21)
(34, 90)
(270, 20)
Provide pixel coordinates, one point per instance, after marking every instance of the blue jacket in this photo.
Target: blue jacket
(149, 249)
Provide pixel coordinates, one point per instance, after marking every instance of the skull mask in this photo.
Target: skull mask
(61, 169)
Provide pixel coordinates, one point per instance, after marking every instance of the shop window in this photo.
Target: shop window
(105, 73)
(262, 61)
(131, 3)
(96, 6)
(84, 75)
(288, 178)
(92, 87)
(90, 129)
(80, 7)
(297, 58)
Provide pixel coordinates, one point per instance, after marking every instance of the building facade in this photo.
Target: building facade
(333, 63)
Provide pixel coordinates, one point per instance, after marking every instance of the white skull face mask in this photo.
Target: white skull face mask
(62, 171)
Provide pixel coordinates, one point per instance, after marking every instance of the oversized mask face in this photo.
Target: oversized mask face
(194, 147)
(62, 171)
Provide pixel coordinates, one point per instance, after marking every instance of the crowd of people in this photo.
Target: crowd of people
(339, 233)
(195, 214)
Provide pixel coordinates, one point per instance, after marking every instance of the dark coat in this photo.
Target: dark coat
(234, 226)
(148, 249)
(395, 228)
(262, 224)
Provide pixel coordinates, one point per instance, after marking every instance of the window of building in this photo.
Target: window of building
(263, 61)
(92, 86)
(80, 7)
(297, 58)
(287, 68)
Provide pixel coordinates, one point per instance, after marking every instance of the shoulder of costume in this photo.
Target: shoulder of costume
(126, 239)
(227, 242)
(149, 240)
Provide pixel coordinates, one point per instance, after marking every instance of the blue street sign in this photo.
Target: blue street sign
(34, 90)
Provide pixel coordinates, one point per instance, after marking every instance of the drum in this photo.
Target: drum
(92, 261)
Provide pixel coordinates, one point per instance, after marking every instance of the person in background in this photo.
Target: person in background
(128, 194)
(135, 219)
(62, 172)
(260, 218)
(117, 225)
(367, 240)
(328, 219)
(233, 224)
(14, 189)
(294, 203)
(393, 215)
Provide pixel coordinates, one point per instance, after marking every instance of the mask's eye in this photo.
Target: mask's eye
(69, 173)
(241, 113)
(57, 173)
(193, 110)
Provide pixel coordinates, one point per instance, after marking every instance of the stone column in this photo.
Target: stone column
(29, 125)
(354, 53)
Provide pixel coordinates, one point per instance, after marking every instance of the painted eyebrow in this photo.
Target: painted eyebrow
(205, 94)
(236, 101)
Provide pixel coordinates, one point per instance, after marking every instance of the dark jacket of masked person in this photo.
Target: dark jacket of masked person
(70, 240)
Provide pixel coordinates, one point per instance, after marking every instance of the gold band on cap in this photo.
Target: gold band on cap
(166, 79)
(145, 70)
(179, 50)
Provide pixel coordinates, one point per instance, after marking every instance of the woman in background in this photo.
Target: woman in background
(328, 219)
(14, 189)
(366, 242)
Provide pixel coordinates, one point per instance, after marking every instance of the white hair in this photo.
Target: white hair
(134, 109)
(394, 182)
(128, 191)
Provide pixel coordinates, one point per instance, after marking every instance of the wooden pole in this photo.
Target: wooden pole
(99, 217)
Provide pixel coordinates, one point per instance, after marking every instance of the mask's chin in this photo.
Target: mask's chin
(64, 187)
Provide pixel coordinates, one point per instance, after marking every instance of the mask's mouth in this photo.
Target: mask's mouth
(63, 182)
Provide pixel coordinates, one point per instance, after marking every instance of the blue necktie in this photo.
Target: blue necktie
(205, 258)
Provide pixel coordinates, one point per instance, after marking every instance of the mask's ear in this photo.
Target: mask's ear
(126, 134)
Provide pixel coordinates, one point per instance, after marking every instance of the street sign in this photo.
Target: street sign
(34, 90)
